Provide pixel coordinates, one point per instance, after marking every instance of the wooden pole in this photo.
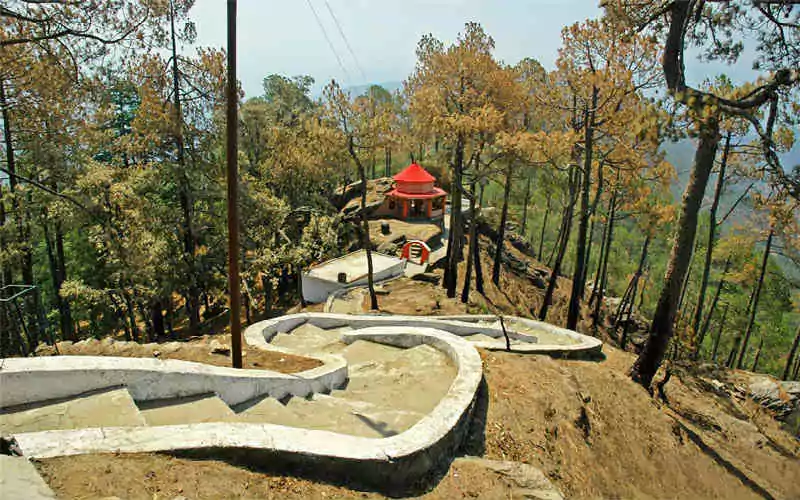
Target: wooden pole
(232, 96)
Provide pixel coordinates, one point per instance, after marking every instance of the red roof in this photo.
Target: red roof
(414, 173)
(437, 192)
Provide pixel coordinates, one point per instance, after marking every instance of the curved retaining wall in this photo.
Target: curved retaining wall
(27, 380)
(383, 463)
(387, 463)
(261, 333)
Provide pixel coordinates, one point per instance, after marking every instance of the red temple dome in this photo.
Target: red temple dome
(414, 173)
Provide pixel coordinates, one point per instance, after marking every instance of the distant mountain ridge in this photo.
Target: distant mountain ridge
(357, 90)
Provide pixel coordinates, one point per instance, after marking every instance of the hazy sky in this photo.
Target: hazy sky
(284, 37)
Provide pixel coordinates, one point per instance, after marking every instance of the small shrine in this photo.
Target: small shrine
(415, 196)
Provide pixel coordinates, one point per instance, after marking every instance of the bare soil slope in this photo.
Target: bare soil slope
(208, 349)
(591, 430)
(584, 423)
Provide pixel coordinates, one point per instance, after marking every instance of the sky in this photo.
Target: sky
(284, 36)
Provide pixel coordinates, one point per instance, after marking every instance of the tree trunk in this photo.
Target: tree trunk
(266, 284)
(712, 227)
(567, 210)
(662, 327)
(476, 256)
(184, 189)
(388, 162)
(157, 318)
(131, 316)
(456, 227)
(65, 309)
(796, 369)
(579, 274)
(566, 224)
(714, 301)
(737, 340)
(596, 280)
(751, 321)
(792, 352)
(602, 279)
(544, 228)
(593, 218)
(685, 284)
(473, 241)
(634, 285)
(525, 208)
(51, 258)
(501, 231)
(719, 333)
(758, 355)
(365, 241)
(31, 299)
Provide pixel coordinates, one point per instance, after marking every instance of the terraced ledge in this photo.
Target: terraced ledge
(27, 380)
(396, 461)
(261, 333)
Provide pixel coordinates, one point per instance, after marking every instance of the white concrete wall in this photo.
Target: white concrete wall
(316, 290)
(396, 461)
(27, 380)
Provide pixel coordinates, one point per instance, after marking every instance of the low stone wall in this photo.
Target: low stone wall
(27, 380)
(387, 464)
(460, 325)
(392, 462)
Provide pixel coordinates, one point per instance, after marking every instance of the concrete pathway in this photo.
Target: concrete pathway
(20, 480)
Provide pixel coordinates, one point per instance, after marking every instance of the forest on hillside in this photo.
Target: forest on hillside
(112, 178)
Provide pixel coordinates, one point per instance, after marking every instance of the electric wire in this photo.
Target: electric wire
(346, 41)
(327, 38)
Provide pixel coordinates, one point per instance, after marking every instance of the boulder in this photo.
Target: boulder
(427, 278)
(216, 347)
(525, 481)
(780, 397)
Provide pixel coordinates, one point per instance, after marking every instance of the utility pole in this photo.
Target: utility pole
(232, 97)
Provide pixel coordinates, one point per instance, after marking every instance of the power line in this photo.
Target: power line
(346, 42)
(330, 44)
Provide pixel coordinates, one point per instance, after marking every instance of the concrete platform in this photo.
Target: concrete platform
(110, 408)
(19, 480)
(206, 408)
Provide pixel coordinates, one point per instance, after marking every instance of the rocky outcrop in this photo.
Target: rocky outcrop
(782, 398)
(524, 480)
(349, 199)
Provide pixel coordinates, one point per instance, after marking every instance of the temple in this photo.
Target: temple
(415, 197)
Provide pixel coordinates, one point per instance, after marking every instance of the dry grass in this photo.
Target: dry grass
(411, 230)
(591, 430)
(599, 435)
(197, 349)
(585, 424)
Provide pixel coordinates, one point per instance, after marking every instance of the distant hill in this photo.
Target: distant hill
(357, 90)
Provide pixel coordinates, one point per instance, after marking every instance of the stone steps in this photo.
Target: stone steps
(189, 410)
(107, 408)
(19, 479)
(389, 390)
(411, 380)
(307, 338)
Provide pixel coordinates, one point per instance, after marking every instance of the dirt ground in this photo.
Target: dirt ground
(411, 230)
(198, 349)
(591, 430)
(515, 295)
(157, 477)
(584, 424)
